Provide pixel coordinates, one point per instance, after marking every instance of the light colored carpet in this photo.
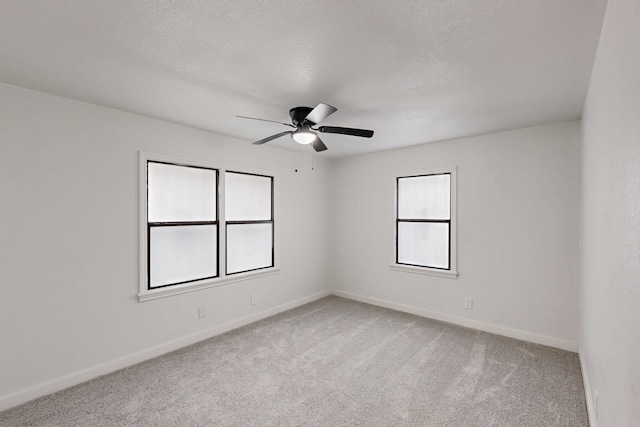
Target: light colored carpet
(333, 362)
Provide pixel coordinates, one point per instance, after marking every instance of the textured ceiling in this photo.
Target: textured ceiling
(413, 71)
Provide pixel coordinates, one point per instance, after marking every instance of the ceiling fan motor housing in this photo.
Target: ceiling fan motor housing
(298, 115)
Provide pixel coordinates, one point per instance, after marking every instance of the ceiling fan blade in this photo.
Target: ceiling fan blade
(265, 120)
(272, 137)
(318, 145)
(321, 112)
(346, 131)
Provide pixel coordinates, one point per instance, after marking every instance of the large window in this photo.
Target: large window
(182, 205)
(249, 221)
(425, 223)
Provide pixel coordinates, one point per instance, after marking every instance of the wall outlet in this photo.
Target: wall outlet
(468, 303)
(254, 299)
(201, 313)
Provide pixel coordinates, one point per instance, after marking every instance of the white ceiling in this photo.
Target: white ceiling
(413, 71)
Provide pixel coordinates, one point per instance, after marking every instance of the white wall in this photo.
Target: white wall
(610, 256)
(518, 204)
(69, 242)
(69, 252)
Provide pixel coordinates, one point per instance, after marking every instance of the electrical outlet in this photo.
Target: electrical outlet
(254, 299)
(201, 313)
(468, 303)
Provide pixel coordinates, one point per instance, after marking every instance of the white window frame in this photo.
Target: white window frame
(146, 294)
(452, 272)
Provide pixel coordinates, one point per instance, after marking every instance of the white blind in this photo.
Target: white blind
(249, 246)
(424, 197)
(424, 243)
(182, 253)
(180, 193)
(247, 197)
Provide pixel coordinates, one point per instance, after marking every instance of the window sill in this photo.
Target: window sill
(449, 274)
(190, 287)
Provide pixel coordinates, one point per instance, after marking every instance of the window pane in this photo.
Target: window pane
(181, 193)
(423, 243)
(182, 253)
(247, 197)
(249, 246)
(424, 197)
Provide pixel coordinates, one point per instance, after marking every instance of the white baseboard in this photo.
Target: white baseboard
(57, 384)
(468, 323)
(591, 410)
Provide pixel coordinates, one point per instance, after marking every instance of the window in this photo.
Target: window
(182, 246)
(249, 221)
(425, 223)
(182, 224)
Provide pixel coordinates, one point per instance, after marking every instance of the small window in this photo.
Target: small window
(425, 222)
(182, 224)
(248, 222)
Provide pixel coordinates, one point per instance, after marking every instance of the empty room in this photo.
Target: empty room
(293, 213)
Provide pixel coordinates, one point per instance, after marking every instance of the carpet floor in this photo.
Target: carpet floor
(333, 362)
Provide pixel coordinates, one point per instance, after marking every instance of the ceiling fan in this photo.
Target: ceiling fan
(303, 119)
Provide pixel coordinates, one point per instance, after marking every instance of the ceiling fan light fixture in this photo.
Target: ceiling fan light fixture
(302, 118)
(304, 135)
